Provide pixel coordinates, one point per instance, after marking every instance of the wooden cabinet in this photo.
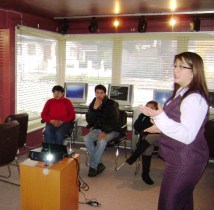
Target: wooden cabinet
(49, 187)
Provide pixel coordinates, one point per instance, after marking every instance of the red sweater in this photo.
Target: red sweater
(58, 109)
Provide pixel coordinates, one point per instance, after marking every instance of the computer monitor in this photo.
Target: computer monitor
(122, 93)
(161, 96)
(76, 92)
(211, 102)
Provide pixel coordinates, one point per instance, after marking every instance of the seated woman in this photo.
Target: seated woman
(145, 144)
(58, 113)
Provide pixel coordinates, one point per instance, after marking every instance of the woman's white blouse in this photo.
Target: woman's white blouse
(193, 111)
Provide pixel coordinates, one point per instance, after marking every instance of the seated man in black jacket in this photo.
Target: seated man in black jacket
(103, 121)
(146, 143)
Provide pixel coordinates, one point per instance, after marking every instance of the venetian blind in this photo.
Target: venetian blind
(89, 59)
(142, 59)
(36, 69)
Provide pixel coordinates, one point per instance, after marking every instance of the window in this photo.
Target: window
(36, 70)
(205, 48)
(142, 60)
(89, 60)
(147, 64)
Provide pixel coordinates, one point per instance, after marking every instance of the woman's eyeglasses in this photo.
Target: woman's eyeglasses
(180, 67)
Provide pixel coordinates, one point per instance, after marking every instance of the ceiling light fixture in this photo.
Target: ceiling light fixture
(93, 26)
(195, 24)
(142, 24)
(65, 26)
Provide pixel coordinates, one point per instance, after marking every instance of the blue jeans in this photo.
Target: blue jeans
(95, 151)
(56, 135)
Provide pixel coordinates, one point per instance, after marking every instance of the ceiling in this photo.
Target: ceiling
(87, 8)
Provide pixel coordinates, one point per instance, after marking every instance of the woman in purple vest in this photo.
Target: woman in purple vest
(182, 142)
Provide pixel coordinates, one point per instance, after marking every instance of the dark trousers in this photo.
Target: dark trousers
(177, 186)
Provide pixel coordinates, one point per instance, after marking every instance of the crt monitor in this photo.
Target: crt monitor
(122, 93)
(161, 96)
(211, 102)
(76, 92)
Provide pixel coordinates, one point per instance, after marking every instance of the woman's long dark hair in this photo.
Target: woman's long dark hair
(198, 83)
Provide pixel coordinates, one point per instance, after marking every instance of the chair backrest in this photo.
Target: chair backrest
(9, 134)
(23, 123)
(123, 121)
(209, 135)
(122, 132)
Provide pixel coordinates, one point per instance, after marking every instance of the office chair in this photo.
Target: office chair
(9, 135)
(117, 141)
(23, 126)
(69, 137)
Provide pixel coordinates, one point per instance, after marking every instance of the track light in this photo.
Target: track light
(65, 26)
(142, 25)
(93, 26)
(195, 24)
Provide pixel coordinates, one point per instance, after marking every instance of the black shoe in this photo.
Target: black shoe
(147, 179)
(100, 168)
(92, 172)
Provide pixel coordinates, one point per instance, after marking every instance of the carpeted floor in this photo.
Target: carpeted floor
(117, 190)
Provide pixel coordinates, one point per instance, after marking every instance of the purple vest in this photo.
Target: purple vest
(178, 153)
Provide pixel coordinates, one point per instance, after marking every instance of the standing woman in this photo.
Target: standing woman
(182, 142)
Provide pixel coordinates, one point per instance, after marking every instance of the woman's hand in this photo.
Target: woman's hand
(152, 129)
(151, 112)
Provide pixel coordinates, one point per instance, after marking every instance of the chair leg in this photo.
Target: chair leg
(117, 156)
(72, 141)
(10, 182)
(87, 156)
(87, 159)
(17, 165)
(137, 166)
(9, 175)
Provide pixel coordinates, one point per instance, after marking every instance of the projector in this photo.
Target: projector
(46, 157)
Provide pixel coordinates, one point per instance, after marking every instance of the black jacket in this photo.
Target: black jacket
(105, 118)
(142, 123)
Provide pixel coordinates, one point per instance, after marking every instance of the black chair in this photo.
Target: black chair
(23, 126)
(69, 137)
(117, 141)
(9, 135)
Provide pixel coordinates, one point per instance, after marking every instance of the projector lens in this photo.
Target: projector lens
(49, 157)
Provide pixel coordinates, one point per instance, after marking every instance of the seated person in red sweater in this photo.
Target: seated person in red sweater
(58, 113)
